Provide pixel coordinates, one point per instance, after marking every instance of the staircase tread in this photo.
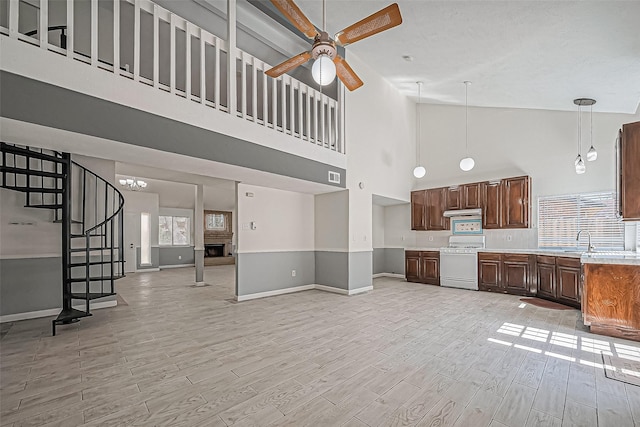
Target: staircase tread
(32, 172)
(94, 278)
(75, 235)
(93, 249)
(82, 264)
(30, 153)
(92, 295)
(45, 206)
(33, 189)
(70, 314)
(73, 221)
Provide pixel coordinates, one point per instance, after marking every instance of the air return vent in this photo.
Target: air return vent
(334, 177)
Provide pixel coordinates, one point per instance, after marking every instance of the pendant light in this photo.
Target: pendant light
(467, 163)
(419, 171)
(591, 154)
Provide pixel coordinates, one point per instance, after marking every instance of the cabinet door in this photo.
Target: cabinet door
(435, 209)
(546, 277)
(471, 198)
(630, 172)
(489, 272)
(412, 266)
(491, 205)
(515, 202)
(454, 198)
(516, 278)
(430, 268)
(568, 280)
(418, 210)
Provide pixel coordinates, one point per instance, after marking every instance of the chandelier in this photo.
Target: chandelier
(133, 184)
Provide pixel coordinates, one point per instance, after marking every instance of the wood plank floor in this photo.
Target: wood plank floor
(403, 354)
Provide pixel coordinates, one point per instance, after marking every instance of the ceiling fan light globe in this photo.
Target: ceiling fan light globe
(323, 70)
(419, 171)
(467, 164)
(592, 154)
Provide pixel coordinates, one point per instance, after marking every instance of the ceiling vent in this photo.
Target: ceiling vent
(334, 177)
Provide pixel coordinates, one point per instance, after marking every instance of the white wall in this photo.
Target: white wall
(378, 226)
(137, 202)
(332, 221)
(284, 220)
(380, 137)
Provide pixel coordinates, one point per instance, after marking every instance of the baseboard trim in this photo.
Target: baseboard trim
(163, 267)
(360, 290)
(274, 293)
(394, 275)
(146, 270)
(54, 311)
(331, 289)
(304, 288)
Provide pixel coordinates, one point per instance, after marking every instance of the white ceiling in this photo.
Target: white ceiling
(519, 54)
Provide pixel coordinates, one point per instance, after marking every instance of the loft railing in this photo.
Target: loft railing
(139, 40)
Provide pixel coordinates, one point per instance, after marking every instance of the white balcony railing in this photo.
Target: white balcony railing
(139, 40)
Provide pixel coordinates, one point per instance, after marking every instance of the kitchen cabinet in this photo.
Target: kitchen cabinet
(423, 267)
(612, 307)
(506, 273)
(558, 279)
(629, 171)
(454, 197)
(435, 209)
(491, 204)
(568, 281)
(515, 202)
(489, 272)
(418, 210)
(471, 196)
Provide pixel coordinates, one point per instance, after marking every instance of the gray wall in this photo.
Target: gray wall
(379, 264)
(168, 255)
(332, 269)
(268, 271)
(360, 265)
(40, 103)
(388, 260)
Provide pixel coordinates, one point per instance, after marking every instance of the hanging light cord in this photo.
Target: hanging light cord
(579, 130)
(591, 126)
(466, 117)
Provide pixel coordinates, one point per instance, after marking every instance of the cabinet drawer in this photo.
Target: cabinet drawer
(516, 257)
(568, 262)
(543, 259)
(489, 256)
(412, 254)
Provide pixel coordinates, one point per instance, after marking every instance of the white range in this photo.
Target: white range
(459, 262)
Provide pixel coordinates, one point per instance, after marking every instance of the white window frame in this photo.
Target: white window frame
(173, 217)
(594, 212)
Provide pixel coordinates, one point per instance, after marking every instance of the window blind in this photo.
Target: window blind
(638, 236)
(561, 217)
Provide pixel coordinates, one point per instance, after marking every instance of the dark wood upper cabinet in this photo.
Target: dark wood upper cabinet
(515, 202)
(418, 210)
(454, 198)
(629, 179)
(471, 197)
(435, 209)
(491, 204)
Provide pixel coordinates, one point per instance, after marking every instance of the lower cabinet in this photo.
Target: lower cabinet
(559, 279)
(423, 267)
(506, 273)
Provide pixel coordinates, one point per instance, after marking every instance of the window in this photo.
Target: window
(174, 230)
(215, 222)
(561, 217)
(145, 239)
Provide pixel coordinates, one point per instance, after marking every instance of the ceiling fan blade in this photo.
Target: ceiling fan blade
(380, 21)
(293, 13)
(288, 65)
(346, 74)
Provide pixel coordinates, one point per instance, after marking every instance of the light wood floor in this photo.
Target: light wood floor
(403, 354)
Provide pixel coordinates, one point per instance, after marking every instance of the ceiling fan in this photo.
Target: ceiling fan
(327, 61)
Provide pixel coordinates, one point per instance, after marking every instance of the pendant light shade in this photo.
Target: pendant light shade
(419, 171)
(323, 70)
(592, 154)
(580, 167)
(467, 163)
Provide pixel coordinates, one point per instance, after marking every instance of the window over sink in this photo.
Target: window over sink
(560, 217)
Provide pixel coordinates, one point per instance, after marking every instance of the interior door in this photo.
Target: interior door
(131, 239)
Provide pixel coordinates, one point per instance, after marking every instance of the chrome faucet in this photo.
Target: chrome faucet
(591, 248)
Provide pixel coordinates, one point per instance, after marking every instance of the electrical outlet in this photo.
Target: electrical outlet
(179, 256)
(509, 238)
(293, 273)
(431, 238)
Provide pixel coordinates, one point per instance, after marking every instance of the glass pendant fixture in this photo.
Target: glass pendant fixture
(467, 163)
(580, 167)
(419, 171)
(592, 154)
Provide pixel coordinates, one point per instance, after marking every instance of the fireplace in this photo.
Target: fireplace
(214, 250)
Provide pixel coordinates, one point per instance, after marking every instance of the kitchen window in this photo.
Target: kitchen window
(174, 230)
(561, 217)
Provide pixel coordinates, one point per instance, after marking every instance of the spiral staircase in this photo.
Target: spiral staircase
(90, 211)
